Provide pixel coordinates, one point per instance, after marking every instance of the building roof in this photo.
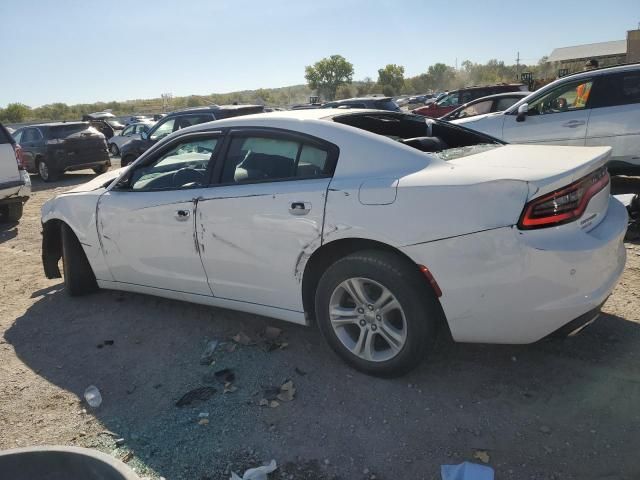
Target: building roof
(590, 50)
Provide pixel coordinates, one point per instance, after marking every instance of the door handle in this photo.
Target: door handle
(182, 215)
(299, 208)
(573, 123)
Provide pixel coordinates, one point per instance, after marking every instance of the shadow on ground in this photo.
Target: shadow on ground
(8, 230)
(556, 409)
(65, 180)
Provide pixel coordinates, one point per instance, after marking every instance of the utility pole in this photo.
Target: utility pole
(518, 67)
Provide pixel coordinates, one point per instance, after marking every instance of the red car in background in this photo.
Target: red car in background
(455, 98)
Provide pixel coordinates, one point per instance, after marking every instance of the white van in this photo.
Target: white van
(592, 108)
(15, 184)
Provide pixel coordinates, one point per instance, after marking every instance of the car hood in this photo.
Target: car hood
(101, 181)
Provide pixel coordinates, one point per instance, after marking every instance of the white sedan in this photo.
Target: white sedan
(382, 227)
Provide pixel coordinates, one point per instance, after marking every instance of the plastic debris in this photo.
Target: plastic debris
(287, 391)
(229, 388)
(200, 394)
(481, 455)
(93, 396)
(203, 421)
(207, 356)
(259, 473)
(243, 339)
(466, 471)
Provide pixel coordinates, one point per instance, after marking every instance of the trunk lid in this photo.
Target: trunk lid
(79, 143)
(544, 168)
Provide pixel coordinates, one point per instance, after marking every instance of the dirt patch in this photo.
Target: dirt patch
(559, 409)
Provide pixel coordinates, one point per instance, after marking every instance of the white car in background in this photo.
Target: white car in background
(130, 132)
(15, 184)
(381, 238)
(593, 108)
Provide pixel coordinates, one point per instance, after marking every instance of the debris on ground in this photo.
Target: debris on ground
(300, 372)
(242, 338)
(225, 375)
(466, 471)
(93, 396)
(259, 473)
(481, 455)
(203, 421)
(271, 333)
(273, 340)
(106, 343)
(200, 394)
(127, 457)
(207, 356)
(229, 388)
(284, 393)
(119, 442)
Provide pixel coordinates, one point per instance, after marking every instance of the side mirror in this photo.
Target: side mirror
(144, 135)
(523, 110)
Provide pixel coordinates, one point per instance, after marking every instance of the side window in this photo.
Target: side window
(17, 136)
(449, 100)
(183, 166)
(190, 120)
(29, 135)
(255, 158)
(568, 97)
(468, 96)
(612, 90)
(127, 131)
(504, 103)
(163, 129)
(476, 109)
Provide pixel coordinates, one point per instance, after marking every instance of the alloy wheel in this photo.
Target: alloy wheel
(368, 319)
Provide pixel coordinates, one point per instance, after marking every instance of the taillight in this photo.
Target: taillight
(564, 205)
(17, 149)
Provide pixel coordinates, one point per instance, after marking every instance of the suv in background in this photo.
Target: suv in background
(455, 98)
(375, 103)
(15, 185)
(51, 149)
(594, 108)
(177, 120)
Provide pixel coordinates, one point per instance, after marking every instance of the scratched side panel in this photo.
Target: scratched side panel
(146, 243)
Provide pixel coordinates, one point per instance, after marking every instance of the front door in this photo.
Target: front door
(258, 226)
(146, 224)
(559, 117)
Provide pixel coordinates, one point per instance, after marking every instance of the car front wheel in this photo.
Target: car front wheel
(377, 312)
(101, 169)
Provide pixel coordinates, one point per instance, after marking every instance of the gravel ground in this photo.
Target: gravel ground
(558, 409)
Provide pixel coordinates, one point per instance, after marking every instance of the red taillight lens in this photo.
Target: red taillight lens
(564, 205)
(17, 149)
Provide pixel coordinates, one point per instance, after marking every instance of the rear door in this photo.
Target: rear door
(9, 174)
(146, 225)
(615, 117)
(558, 117)
(77, 144)
(28, 140)
(265, 215)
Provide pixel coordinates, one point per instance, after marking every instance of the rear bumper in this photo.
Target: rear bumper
(18, 191)
(500, 287)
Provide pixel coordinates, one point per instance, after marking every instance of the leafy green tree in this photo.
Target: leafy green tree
(328, 74)
(441, 75)
(391, 76)
(15, 113)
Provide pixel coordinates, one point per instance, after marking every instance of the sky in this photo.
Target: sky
(77, 51)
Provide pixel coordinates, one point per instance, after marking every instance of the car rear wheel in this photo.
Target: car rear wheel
(377, 312)
(46, 171)
(78, 275)
(101, 169)
(113, 149)
(12, 212)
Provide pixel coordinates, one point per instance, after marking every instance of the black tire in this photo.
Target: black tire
(417, 299)
(78, 275)
(12, 212)
(113, 149)
(101, 169)
(126, 160)
(47, 171)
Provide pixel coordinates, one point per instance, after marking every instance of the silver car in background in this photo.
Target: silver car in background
(130, 132)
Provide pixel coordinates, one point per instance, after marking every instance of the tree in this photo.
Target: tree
(15, 113)
(391, 78)
(441, 75)
(328, 74)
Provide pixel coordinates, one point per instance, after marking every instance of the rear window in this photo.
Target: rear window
(67, 130)
(4, 135)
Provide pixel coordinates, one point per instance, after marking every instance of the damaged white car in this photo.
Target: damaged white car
(382, 227)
